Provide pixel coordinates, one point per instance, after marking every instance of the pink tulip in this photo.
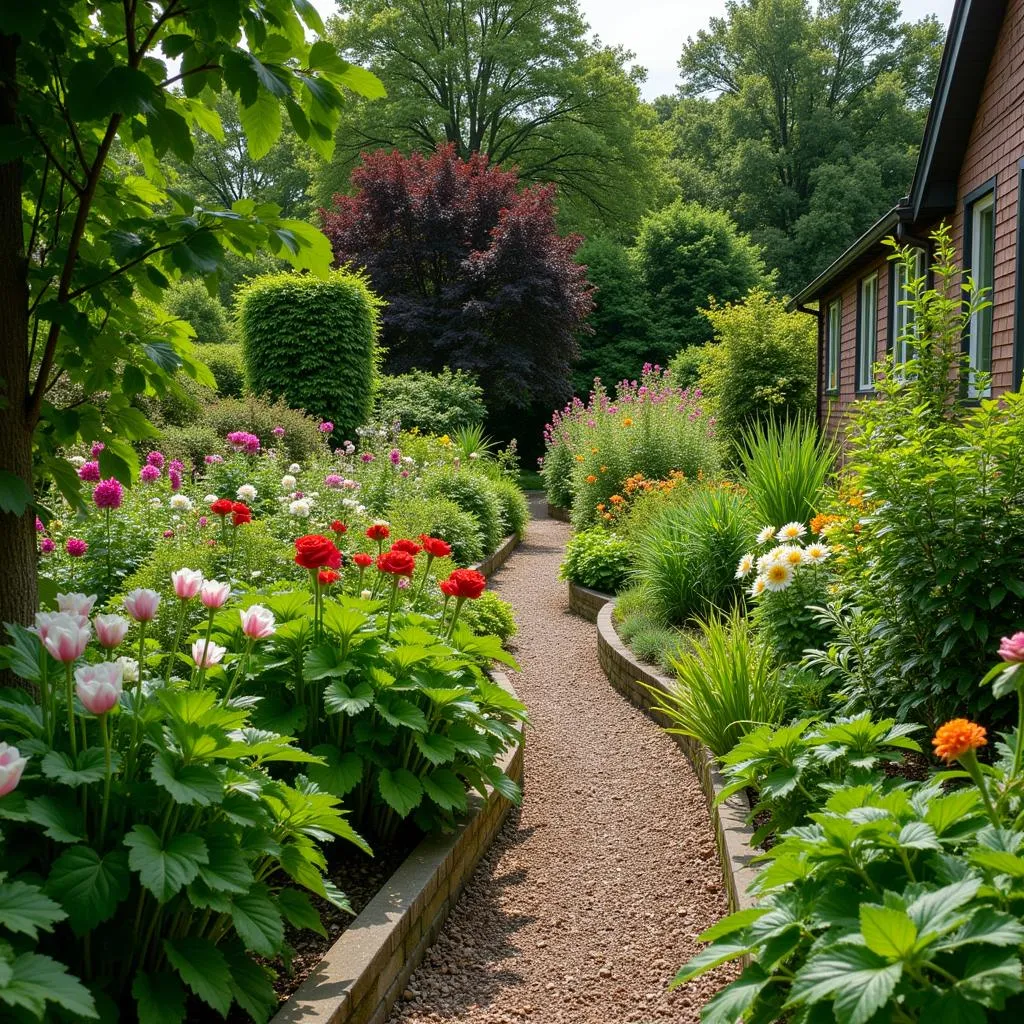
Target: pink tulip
(77, 605)
(207, 653)
(111, 630)
(214, 594)
(141, 604)
(12, 764)
(186, 583)
(257, 622)
(64, 637)
(1011, 648)
(99, 686)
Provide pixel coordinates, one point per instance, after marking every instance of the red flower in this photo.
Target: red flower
(409, 546)
(222, 507)
(315, 551)
(379, 531)
(464, 583)
(362, 559)
(338, 526)
(398, 563)
(327, 577)
(435, 547)
(240, 513)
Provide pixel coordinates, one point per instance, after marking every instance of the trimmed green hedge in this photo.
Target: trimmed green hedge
(227, 366)
(313, 343)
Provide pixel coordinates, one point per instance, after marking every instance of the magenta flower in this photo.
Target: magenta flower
(202, 521)
(1011, 648)
(39, 526)
(326, 427)
(149, 473)
(257, 622)
(175, 478)
(243, 441)
(334, 481)
(97, 447)
(108, 493)
(47, 546)
(155, 459)
(395, 456)
(75, 547)
(168, 534)
(278, 431)
(367, 456)
(186, 583)
(89, 472)
(213, 460)
(176, 466)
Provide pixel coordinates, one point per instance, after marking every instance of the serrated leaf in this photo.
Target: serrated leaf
(226, 869)
(89, 887)
(26, 908)
(709, 958)
(203, 968)
(435, 748)
(397, 711)
(730, 1005)
(250, 985)
(858, 981)
(733, 923)
(61, 818)
(445, 788)
(90, 766)
(35, 980)
(341, 773)
(159, 997)
(258, 921)
(187, 783)
(917, 835)
(887, 931)
(164, 870)
(341, 699)
(299, 912)
(400, 789)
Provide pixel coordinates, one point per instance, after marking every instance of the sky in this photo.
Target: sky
(655, 30)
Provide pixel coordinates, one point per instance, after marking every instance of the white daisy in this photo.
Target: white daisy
(778, 576)
(792, 531)
(155, 503)
(180, 502)
(300, 507)
(758, 588)
(768, 558)
(767, 533)
(816, 553)
(246, 492)
(210, 499)
(790, 554)
(745, 567)
(288, 482)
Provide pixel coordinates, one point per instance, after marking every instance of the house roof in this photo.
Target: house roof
(973, 32)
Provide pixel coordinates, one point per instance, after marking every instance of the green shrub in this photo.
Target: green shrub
(598, 559)
(259, 415)
(515, 512)
(440, 517)
(227, 366)
(688, 557)
(687, 364)
(763, 365)
(313, 343)
(473, 493)
(189, 300)
(190, 444)
(436, 403)
(182, 402)
(490, 615)
(785, 467)
(556, 472)
(726, 685)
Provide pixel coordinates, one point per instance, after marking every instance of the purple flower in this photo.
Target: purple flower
(89, 471)
(278, 431)
(203, 521)
(97, 447)
(46, 546)
(334, 481)
(108, 493)
(326, 427)
(367, 456)
(212, 460)
(39, 526)
(395, 456)
(176, 466)
(75, 547)
(168, 534)
(243, 441)
(405, 473)
(149, 473)
(155, 459)
(175, 477)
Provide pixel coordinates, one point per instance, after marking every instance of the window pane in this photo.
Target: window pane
(982, 270)
(868, 330)
(834, 328)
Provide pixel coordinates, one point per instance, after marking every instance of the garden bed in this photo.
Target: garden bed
(732, 834)
(364, 973)
(497, 558)
(559, 513)
(586, 602)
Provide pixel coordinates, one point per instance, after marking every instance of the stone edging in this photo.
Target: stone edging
(499, 556)
(363, 974)
(586, 602)
(732, 833)
(559, 513)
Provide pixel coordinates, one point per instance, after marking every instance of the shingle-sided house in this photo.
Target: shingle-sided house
(970, 174)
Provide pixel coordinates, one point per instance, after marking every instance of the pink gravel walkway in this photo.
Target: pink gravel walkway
(593, 894)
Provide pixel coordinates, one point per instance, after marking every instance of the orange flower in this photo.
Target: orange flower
(601, 507)
(628, 421)
(956, 738)
(593, 451)
(591, 479)
(822, 522)
(617, 499)
(579, 458)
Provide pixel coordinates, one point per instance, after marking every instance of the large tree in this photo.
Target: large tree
(474, 274)
(95, 97)
(517, 80)
(803, 121)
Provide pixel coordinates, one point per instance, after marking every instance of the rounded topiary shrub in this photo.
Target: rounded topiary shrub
(189, 300)
(312, 342)
(227, 366)
(475, 494)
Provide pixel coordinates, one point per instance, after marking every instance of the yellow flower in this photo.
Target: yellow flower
(593, 451)
(601, 507)
(445, 440)
(628, 421)
(778, 576)
(579, 458)
(604, 469)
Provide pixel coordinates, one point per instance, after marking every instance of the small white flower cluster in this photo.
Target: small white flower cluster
(774, 570)
(246, 492)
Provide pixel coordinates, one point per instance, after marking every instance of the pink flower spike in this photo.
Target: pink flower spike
(155, 459)
(1011, 648)
(46, 546)
(206, 654)
(12, 764)
(214, 594)
(99, 686)
(186, 583)
(111, 630)
(149, 474)
(89, 472)
(141, 604)
(257, 622)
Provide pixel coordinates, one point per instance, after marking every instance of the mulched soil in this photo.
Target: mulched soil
(595, 891)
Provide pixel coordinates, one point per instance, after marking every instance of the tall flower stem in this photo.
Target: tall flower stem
(459, 601)
(391, 606)
(423, 580)
(970, 762)
(177, 641)
(70, 689)
(108, 550)
(105, 733)
(206, 648)
(1018, 745)
(239, 671)
(44, 691)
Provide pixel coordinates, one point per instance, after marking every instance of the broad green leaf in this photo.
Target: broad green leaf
(250, 984)
(445, 788)
(988, 926)
(258, 921)
(298, 911)
(400, 789)
(990, 974)
(340, 773)
(22, 656)
(159, 997)
(324, 662)
(261, 122)
(916, 835)
(89, 887)
(732, 924)
(858, 981)
(887, 932)
(187, 783)
(397, 711)
(61, 817)
(936, 911)
(345, 700)
(203, 968)
(165, 870)
(226, 869)
(89, 767)
(729, 1005)
(34, 980)
(26, 908)
(999, 861)
(435, 748)
(951, 809)
(709, 958)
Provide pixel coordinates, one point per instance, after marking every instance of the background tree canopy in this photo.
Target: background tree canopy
(517, 80)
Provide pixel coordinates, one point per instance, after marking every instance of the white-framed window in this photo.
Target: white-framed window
(834, 327)
(867, 332)
(982, 256)
(903, 314)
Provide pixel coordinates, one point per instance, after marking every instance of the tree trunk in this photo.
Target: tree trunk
(17, 532)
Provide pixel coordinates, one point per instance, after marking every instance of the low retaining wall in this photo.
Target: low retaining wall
(497, 558)
(732, 833)
(587, 603)
(364, 973)
(559, 513)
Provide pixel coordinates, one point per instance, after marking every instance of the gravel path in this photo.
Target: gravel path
(594, 892)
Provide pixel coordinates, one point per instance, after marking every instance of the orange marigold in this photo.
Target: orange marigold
(628, 421)
(579, 458)
(956, 737)
(604, 469)
(591, 479)
(822, 522)
(601, 507)
(617, 499)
